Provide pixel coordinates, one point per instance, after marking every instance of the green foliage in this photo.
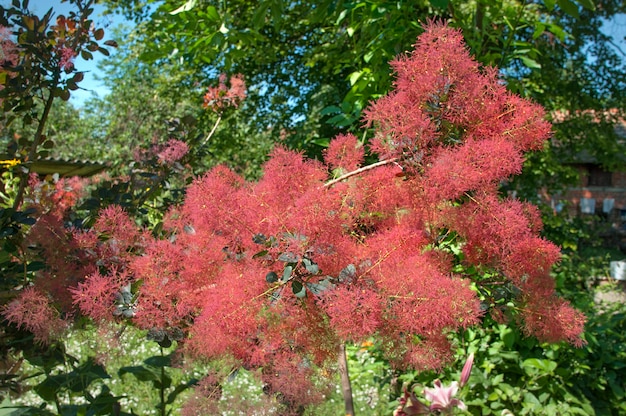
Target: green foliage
(154, 370)
(518, 374)
(75, 386)
(78, 385)
(311, 72)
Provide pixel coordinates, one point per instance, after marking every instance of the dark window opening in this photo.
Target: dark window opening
(598, 176)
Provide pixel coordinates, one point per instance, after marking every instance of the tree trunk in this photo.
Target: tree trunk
(346, 387)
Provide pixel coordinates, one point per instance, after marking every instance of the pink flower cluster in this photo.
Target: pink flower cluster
(219, 98)
(9, 49)
(172, 151)
(66, 58)
(9, 54)
(276, 273)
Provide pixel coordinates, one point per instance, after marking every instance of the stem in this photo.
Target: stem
(219, 118)
(346, 387)
(358, 171)
(36, 142)
(509, 39)
(162, 390)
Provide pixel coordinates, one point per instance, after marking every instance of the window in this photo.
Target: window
(598, 176)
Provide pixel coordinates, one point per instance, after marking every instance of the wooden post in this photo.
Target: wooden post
(346, 386)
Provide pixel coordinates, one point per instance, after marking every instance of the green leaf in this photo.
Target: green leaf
(530, 63)
(159, 361)
(261, 253)
(557, 31)
(550, 4)
(103, 403)
(287, 273)
(507, 335)
(298, 289)
(340, 120)
(7, 409)
(271, 277)
(321, 286)
(35, 266)
(49, 388)
(163, 382)
(354, 77)
(277, 10)
(310, 266)
(140, 372)
(342, 16)
(212, 14)
(331, 109)
(539, 29)
(179, 389)
(440, 4)
(258, 19)
(535, 364)
(322, 142)
(569, 7)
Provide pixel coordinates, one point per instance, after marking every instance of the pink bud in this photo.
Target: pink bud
(467, 369)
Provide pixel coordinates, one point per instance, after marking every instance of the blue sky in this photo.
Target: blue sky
(89, 86)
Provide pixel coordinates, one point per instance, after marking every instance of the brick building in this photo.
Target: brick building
(599, 191)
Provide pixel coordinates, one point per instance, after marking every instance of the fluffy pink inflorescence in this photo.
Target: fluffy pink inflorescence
(443, 99)
(552, 319)
(31, 310)
(173, 151)
(9, 49)
(66, 58)
(276, 273)
(221, 97)
(9, 54)
(95, 295)
(344, 152)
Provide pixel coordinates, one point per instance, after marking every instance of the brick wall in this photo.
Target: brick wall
(616, 190)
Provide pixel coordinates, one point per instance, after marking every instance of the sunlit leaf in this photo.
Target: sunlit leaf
(530, 63)
(185, 7)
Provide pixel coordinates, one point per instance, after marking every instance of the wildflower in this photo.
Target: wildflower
(415, 408)
(9, 163)
(467, 369)
(441, 397)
